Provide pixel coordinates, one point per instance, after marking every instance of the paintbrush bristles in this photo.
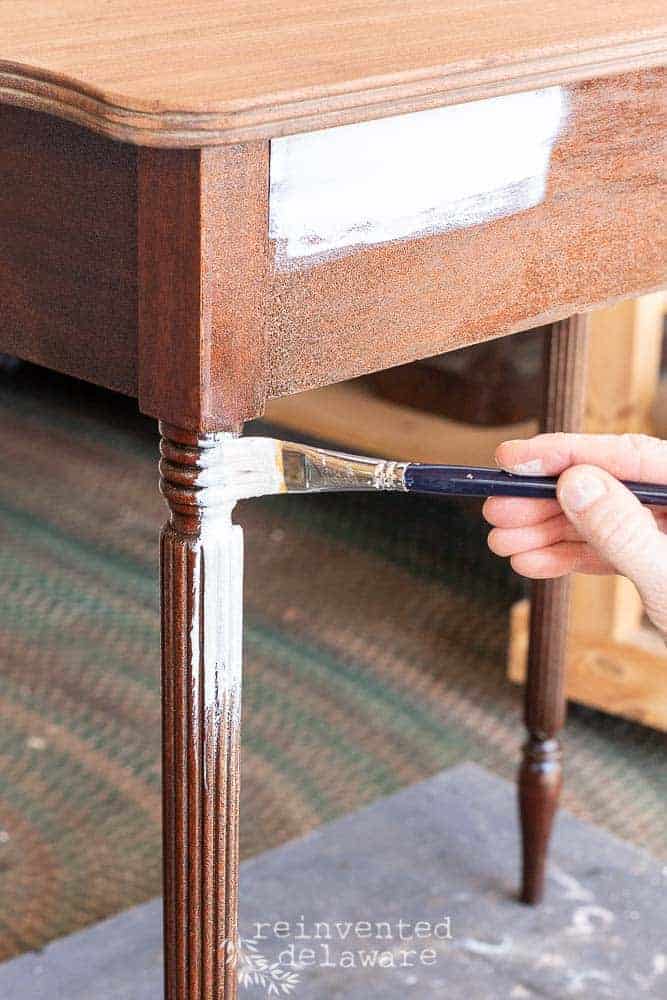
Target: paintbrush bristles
(249, 467)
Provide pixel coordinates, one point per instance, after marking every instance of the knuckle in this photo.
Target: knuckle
(655, 604)
(636, 441)
(619, 534)
(503, 542)
(643, 448)
(560, 445)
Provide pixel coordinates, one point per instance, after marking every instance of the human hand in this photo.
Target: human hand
(596, 525)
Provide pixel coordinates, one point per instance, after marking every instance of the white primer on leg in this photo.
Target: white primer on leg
(239, 468)
(216, 633)
(408, 175)
(222, 564)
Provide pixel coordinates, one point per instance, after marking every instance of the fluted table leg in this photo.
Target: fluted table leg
(541, 776)
(202, 565)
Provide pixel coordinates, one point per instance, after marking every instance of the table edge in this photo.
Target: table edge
(322, 107)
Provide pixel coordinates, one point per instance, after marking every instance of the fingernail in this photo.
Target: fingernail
(533, 468)
(581, 491)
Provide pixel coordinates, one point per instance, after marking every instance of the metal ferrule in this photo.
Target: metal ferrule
(316, 470)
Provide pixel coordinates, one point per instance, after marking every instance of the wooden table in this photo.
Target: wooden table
(175, 226)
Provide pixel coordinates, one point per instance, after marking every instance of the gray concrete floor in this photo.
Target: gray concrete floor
(413, 897)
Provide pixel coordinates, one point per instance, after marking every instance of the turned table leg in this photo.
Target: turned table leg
(202, 565)
(540, 776)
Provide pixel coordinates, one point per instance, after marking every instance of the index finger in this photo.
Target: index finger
(626, 456)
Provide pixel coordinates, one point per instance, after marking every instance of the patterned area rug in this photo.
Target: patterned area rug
(375, 643)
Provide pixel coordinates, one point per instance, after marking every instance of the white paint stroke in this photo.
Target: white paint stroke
(588, 920)
(573, 889)
(502, 947)
(424, 172)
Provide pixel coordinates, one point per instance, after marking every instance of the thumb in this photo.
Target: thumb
(621, 530)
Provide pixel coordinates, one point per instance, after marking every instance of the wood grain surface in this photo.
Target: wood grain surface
(201, 559)
(68, 249)
(87, 222)
(599, 234)
(164, 72)
(203, 266)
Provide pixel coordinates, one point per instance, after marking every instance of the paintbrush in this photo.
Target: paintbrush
(257, 466)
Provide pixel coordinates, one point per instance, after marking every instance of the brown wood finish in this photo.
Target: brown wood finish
(599, 234)
(68, 274)
(219, 332)
(150, 272)
(203, 248)
(541, 775)
(201, 560)
(167, 73)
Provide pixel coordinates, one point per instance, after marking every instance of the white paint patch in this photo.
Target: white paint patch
(216, 633)
(572, 888)
(579, 982)
(659, 968)
(476, 947)
(589, 920)
(239, 468)
(425, 172)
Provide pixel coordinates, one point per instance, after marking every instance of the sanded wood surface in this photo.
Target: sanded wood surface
(164, 72)
(599, 234)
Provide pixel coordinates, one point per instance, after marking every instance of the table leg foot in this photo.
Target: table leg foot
(201, 572)
(540, 782)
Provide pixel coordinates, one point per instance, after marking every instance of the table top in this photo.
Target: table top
(169, 72)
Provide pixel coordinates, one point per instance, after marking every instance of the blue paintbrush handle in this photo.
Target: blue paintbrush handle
(467, 481)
